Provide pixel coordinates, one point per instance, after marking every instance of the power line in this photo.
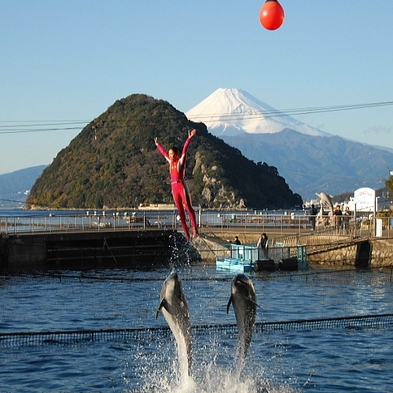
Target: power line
(13, 127)
(293, 112)
(32, 126)
(40, 123)
(40, 130)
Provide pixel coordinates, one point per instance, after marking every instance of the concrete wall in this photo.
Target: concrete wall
(367, 253)
(22, 251)
(83, 250)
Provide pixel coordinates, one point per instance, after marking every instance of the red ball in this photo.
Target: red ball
(271, 15)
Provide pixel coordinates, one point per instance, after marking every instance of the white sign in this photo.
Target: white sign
(364, 199)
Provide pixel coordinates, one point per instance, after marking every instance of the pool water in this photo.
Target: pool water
(330, 360)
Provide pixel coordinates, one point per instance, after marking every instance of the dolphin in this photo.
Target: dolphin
(174, 308)
(327, 201)
(244, 302)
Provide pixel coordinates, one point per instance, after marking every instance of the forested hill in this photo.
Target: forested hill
(113, 162)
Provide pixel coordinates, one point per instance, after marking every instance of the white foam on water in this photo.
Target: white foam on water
(210, 378)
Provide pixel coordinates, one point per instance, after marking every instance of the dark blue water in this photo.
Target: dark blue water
(329, 360)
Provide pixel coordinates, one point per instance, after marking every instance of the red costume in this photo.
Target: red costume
(180, 191)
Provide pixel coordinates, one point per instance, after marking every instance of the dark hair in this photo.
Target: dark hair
(175, 150)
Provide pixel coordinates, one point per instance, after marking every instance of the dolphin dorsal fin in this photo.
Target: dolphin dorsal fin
(229, 303)
(162, 305)
(254, 302)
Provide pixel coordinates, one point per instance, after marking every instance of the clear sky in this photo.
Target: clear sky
(68, 61)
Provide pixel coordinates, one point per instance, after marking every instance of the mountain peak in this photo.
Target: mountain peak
(110, 164)
(234, 111)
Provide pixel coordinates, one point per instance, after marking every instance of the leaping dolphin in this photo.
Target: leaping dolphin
(174, 307)
(244, 302)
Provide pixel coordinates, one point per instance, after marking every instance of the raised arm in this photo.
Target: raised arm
(192, 133)
(161, 149)
(188, 141)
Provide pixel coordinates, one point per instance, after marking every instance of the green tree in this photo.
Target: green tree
(389, 185)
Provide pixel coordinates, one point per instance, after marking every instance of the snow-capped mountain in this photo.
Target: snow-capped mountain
(310, 160)
(231, 112)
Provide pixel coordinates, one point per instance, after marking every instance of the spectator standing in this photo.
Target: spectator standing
(346, 219)
(313, 216)
(263, 243)
(337, 217)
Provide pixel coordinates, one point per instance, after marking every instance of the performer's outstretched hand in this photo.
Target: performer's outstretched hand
(156, 141)
(192, 133)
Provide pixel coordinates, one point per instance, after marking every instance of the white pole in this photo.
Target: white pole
(375, 217)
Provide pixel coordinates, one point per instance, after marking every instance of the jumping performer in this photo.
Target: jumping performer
(180, 193)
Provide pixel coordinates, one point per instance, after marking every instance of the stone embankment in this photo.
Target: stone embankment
(362, 253)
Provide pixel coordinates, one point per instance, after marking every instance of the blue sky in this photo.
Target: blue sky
(70, 60)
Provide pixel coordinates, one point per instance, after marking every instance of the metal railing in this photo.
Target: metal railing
(276, 224)
(67, 223)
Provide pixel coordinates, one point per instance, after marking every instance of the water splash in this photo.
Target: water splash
(183, 253)
(211, 378)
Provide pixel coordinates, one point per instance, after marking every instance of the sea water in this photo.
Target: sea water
(330, 360)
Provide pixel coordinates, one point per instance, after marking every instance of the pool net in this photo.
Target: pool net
(19, 339)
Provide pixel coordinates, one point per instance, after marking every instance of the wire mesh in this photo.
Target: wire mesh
(20, 339)
(384, 276)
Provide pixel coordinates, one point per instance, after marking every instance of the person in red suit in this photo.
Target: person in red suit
(180, 192)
